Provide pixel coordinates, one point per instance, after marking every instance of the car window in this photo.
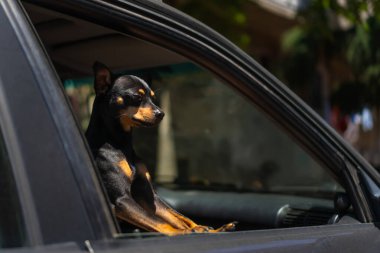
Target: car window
(12, 229)
(213, 148)
(213, 140)
(212, 137)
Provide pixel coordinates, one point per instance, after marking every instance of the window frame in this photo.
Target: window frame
(164, 26)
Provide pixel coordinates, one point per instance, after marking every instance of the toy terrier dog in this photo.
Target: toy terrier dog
(121, 104)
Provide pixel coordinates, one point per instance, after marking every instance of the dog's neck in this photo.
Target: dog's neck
(120, 139)
(100, 132)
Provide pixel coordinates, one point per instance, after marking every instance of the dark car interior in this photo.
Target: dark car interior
(216, 158)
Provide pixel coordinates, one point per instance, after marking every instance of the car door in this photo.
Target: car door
(38, 158)
(158, 24)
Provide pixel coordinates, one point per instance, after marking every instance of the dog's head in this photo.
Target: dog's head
(126, 99)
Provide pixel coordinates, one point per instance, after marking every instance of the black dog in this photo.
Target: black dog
(121, 104)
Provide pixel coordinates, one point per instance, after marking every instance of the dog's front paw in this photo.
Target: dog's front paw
(227, 227)
(201, 229)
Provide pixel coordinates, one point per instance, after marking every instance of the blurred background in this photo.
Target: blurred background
(326, 51)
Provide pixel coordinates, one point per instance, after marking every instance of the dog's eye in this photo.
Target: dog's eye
(119, 100)
(137, 98)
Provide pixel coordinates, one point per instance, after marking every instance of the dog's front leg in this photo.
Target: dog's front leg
(168, 214)
(124, 190)
(128, 210)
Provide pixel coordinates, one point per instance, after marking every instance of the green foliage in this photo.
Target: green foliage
(363, 54)
(312, 46)
(299, 65)
(359, 49)
(225, 16)
(319, 39)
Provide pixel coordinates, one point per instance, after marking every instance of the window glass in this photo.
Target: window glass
(12, 233)
(211, 137)
(214, 147)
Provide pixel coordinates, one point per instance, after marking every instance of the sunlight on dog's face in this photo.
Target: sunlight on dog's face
(133, 99)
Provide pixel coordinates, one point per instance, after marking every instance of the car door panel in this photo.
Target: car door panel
(334, 238)
(68, 247)
(49, 192)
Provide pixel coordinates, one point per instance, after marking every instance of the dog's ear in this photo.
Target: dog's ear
(103, 78)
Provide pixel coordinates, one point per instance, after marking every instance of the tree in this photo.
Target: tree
(225, 16)
(321, 41)
(310, 50)
(337, 45)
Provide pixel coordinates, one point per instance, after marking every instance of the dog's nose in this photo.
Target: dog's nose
(159, 114)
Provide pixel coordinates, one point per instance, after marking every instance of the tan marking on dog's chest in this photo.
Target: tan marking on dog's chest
(123, 164)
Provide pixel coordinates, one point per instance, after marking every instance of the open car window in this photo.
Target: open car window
(212, 137)
(214, 157)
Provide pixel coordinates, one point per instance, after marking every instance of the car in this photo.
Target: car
(236, 144)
